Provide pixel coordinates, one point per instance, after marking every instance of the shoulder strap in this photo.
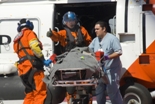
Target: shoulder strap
(27, 55)
(80, 36)
(70, 40)
(70, 37)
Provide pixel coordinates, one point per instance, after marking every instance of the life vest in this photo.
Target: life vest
(74, 42)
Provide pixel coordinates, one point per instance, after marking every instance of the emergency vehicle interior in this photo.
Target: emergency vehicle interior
(88, 14)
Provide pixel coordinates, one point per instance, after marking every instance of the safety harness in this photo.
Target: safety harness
(30, 73)
(73, 42)
(27, 57)
(31, 58)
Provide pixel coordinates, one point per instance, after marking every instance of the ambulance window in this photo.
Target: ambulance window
(9, 27)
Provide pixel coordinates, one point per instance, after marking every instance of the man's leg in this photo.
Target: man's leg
(71, 92)
(29, 98)
(40, 88)
(68, 96)
(113, 87)
(100, 92)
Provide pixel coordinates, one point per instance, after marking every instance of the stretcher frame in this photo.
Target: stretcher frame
(74, 83)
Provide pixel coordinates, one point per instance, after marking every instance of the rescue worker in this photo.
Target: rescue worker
(112, 67)
(31, 62)
(71, 36)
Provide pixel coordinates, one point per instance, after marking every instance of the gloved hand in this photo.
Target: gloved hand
(47, 62)
(106, 57)
(49, 33)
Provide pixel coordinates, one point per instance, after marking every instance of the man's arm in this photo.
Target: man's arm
(114, 55)
(57, 36)
(117, 49)
(87, 37)
(91, 45)
(35, 46)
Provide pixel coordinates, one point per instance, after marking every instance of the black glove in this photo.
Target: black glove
(49, 33)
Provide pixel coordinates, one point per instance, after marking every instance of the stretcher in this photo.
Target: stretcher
(66, 75)
(77, 74)
(80, 89)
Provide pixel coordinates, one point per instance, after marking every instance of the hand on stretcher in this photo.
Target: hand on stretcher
(101, 58)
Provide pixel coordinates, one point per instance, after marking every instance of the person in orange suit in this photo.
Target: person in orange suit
(73, 35)
(31, 62)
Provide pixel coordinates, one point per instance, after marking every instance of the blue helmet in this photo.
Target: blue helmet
(69, 16)
(24, 23)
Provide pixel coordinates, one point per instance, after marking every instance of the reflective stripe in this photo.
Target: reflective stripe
(33, 41)
(23, 24)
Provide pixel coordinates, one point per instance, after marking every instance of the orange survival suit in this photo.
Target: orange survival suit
(69, 39)
(27, 45)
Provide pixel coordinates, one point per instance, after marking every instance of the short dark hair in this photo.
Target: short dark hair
(102, 24)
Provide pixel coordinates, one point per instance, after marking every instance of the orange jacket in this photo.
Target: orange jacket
(25, 38)
(61, 36)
